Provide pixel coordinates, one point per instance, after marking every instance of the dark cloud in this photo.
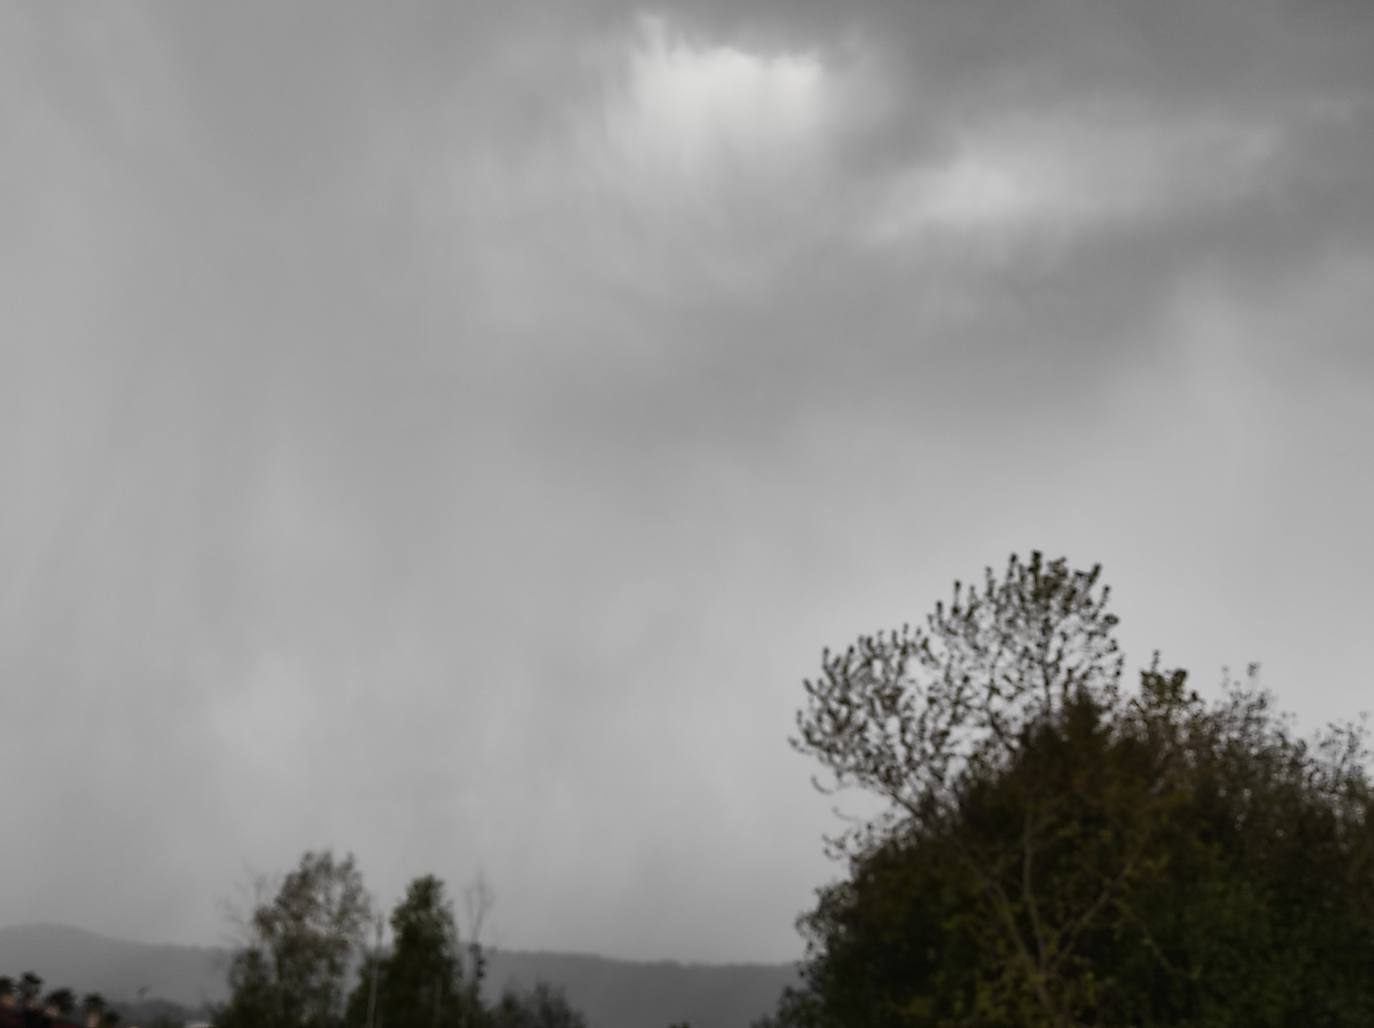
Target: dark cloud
(451, 435)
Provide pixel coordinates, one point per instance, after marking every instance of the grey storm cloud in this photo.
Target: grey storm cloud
(451, 434)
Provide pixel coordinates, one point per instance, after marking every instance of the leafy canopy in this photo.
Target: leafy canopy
(1056, 852)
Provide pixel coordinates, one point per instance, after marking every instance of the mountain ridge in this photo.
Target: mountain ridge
(611, 992)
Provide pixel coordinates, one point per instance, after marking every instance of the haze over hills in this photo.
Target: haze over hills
(118, 968)
(611, 993)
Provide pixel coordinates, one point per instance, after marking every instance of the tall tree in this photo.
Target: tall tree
(420, 984)
(1057, 854)
(293, 970)
(924, 715)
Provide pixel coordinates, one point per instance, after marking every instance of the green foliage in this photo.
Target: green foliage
(421, 983)
(293, 970)
(93, 1003)
(302, 945)
(1059, 854)
(542, 1007)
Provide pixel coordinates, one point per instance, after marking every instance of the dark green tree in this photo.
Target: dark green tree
(421, 983)
(293, 970)
(922, 715)
(1056, 853)
(30, 988)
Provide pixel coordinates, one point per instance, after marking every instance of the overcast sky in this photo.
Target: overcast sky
(451, 432)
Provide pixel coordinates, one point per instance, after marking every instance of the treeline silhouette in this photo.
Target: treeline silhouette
(24, 1004)
(145, 981)
(312, 956)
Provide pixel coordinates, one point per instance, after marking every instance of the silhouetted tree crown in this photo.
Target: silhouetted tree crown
(1059, 852)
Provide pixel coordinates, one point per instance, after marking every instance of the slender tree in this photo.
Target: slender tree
(421, 982)
(303, 945)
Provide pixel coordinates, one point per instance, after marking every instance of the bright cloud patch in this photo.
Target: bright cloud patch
(1071, 175)
(690, 114)
(702, 163)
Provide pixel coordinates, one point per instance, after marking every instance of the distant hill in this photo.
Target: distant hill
(117, 968)
(625, 994)
(612, 993)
